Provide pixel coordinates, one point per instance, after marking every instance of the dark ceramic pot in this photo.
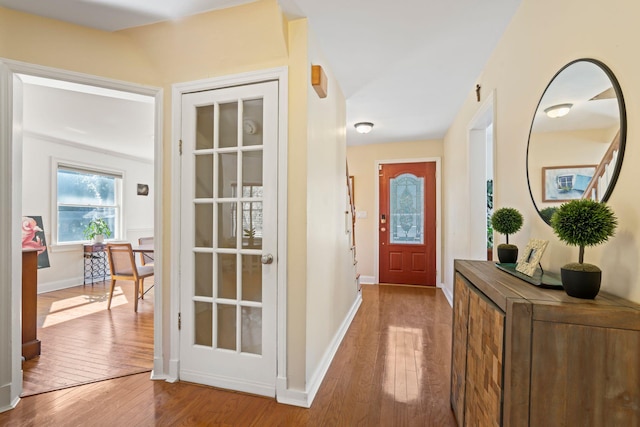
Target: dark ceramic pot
(507, 254)
(581, 284)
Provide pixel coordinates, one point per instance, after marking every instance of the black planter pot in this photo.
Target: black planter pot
(581, 284)
(507, 254)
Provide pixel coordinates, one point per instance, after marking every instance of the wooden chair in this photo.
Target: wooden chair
(144, 257)
(123, 267)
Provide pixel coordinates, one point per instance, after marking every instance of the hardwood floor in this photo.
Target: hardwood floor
(83, 342)
(392, 369)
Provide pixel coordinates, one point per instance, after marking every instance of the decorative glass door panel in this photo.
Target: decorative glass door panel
(229, 230)
(406, 210)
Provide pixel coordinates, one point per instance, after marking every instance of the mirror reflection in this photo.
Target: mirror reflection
(577, 137)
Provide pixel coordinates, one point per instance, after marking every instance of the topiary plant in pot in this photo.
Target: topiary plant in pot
(507, 221)
(583, 223)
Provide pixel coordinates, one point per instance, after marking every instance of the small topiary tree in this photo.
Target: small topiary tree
(583, 222)
(507, 221)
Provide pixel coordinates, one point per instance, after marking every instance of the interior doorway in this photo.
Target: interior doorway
(481, 179)
(13, 117)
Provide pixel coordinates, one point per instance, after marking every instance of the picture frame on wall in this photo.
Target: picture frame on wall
(565, 183)
(33, 237)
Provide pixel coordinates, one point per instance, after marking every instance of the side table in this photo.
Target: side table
(96, 264)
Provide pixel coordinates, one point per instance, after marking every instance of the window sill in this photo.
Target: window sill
(66, 247)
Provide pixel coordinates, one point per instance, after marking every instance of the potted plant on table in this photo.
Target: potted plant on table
(96, 230)
(581, 223)
(507, 221)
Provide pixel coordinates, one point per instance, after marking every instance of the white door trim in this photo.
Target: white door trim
(476, 129)
(177, 90)
(11, 206)
(376, 259)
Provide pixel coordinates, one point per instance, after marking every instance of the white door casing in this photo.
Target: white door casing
(229, 221)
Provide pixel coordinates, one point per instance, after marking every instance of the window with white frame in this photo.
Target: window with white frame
(84, 194)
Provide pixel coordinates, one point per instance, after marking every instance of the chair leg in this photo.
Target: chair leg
(142, 288)
(135, 304)
(113, 284)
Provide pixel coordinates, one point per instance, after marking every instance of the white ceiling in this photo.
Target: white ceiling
(108, 120)
(406, 66)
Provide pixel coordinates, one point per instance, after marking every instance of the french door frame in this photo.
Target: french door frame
(376, 259)
(11, 203)
(281, 75)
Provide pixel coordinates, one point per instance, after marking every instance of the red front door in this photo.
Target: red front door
(407, 223)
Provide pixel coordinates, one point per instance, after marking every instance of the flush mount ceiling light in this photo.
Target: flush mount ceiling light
(559, 110)
(363, 127)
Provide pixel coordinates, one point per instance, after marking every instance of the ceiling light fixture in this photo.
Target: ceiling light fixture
(363, 127)
(559, 110)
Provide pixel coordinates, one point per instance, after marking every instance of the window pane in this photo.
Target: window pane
(76, 188)
(72, 220)
(228, 125)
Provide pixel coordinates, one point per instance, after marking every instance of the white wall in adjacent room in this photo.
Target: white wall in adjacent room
(67, 262)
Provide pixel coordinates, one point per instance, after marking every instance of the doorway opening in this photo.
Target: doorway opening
(63, 121)
(481, 180)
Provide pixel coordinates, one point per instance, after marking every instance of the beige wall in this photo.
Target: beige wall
(362, 166)
(544, 36)
(570, 148)
(297, 206)
(331, 285)
(245, 38)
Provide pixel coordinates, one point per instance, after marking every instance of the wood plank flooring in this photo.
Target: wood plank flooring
(83, 342)
(392, 369)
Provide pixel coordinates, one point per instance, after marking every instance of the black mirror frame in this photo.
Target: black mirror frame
(623, 128)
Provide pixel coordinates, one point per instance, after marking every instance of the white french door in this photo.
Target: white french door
(229, 238)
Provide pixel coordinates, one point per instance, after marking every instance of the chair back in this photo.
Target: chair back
(121, 260)
(145, 258)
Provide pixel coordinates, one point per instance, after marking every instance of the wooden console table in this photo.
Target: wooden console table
(526, 356)
(30, 342)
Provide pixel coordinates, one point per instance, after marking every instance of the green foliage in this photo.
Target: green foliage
(584, 222)
(489, 213)
(250, 232)
(547, 213)
(96, 227)
(507, 221)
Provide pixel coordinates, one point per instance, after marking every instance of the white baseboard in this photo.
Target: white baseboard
(367, 280)
(447, 293)
(290, 396)
(228, 383)
(174, 370)
(5, 396)
(157, 373)
(305, 398)
(60, 284)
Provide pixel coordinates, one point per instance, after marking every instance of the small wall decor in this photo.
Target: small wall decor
(564, 183)
(143, 189)
(319, 80)
(531, 256)
(33, 238)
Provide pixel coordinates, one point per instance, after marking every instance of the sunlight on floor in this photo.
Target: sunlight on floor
(82, 305)
(402, 372)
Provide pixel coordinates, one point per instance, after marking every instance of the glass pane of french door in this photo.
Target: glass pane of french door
(228, 226)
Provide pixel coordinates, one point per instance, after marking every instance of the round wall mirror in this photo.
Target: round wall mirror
(577, 137)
